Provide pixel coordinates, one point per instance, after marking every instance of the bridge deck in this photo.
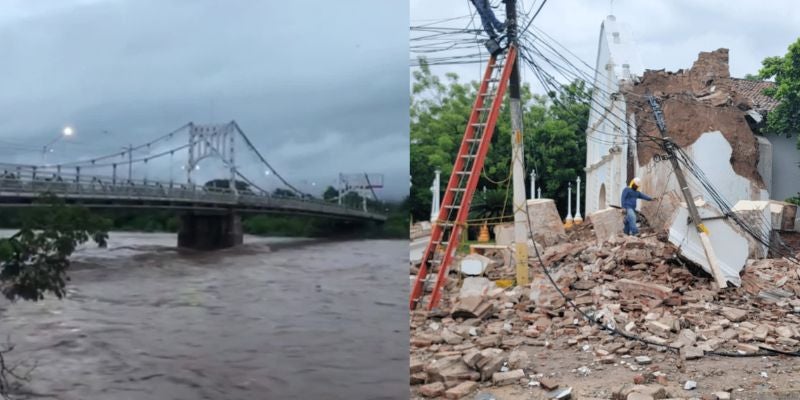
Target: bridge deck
(17, 193)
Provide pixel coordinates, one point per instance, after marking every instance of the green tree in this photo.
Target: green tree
(330, 193)
(554, 131)
(751, 77)
(785, 118)
(558, 140)
(34, 261)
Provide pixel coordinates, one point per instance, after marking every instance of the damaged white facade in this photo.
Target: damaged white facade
(607, 134)
(613, 158)
(730, 242)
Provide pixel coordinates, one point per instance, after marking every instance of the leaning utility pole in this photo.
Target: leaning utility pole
(669, 146)
(521, 227)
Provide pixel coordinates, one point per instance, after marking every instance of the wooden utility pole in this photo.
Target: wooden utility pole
(702, 231)
(521, 227)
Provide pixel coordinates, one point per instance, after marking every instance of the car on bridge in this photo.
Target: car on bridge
(223, 185)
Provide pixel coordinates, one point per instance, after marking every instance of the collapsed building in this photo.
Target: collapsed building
(624, 299)
(707, 92)
(716, 120)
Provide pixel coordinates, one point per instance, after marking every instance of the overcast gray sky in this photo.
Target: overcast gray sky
(669, 33)
(320, 86)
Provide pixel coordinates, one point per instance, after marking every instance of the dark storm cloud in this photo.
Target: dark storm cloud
(319, 86)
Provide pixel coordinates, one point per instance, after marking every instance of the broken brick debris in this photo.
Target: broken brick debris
(635, 284)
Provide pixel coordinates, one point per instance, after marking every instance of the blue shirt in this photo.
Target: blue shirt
(629, 197)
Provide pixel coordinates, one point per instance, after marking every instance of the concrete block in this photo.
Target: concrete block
(416, 365)
(475, 287)
(729, 243)
(635, 288)
(734, 314)
(607, 223)
(461, 390)
(504, 234)
(783, 215)
(546, 224)
(417, 249)
(508, 378)
(691, 353)
(432, 389)
(491, 364)
(458, 372)
(658, 328)
(789, 220)
(757, 214)
(747, 348)
(475, 264)
(420, 229)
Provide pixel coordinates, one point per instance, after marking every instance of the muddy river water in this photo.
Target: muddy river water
(273, 319)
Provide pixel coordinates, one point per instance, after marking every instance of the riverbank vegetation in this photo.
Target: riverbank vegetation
(258, 224)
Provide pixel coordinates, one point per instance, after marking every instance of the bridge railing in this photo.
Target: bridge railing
(29, 180)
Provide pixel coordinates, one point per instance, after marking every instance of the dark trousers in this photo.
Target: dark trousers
(489, 21)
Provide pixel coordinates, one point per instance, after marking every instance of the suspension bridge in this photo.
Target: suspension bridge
(210, 213)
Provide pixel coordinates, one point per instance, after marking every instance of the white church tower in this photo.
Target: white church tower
(607, 143)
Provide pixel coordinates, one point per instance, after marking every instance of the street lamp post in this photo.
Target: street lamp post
(68, 131)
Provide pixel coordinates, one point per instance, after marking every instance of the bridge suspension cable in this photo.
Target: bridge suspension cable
(135, 160)
(263, 160)
(108, 160)
(119, 153)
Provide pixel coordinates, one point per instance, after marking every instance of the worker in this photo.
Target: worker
(489, 21)
(629, 196)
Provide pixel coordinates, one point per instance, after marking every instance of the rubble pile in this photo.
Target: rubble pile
(700, 99)
(636, 285)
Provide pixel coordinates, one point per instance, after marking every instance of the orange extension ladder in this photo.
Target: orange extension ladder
(464, 178)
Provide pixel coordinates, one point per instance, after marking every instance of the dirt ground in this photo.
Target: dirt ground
(712, 374)
(740, 376)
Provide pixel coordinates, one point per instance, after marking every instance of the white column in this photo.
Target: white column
(434, 214)
(569, 204)
(436, 189)
(533, 184)
(578, 217)
(539, 193)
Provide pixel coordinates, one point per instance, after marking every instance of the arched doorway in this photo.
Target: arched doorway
(602, 199)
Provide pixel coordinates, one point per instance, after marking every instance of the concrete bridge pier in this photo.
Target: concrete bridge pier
(210, 231)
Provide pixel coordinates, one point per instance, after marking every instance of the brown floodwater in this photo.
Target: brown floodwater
(273, 319)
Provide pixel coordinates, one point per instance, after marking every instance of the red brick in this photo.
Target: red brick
(432, 389)
(463, 389)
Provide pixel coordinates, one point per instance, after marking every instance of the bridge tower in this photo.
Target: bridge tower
(362, 183)
(208, 231)
(212, 140)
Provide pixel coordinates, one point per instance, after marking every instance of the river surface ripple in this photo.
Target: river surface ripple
(273, 319)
